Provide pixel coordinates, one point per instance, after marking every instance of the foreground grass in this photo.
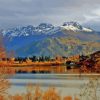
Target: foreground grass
(37, 94)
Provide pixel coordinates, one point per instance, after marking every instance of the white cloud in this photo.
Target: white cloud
(97, 12)
(91, 17)
(18, 12)
(26, 0)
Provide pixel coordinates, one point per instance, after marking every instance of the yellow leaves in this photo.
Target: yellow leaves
(17, 97)
(37, 94)
(1, 97)
(51, 94)
(68, 98)
(73, 58)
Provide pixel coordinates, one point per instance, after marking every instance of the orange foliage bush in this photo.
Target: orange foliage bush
(67, 98)
(51, 94)
(1, 97)
(17, 97)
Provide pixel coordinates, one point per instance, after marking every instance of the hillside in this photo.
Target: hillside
(69, 39)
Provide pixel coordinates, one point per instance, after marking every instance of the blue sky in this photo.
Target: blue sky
(25, 12)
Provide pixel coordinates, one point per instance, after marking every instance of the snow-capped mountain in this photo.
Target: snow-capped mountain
(19, 31)
(44, 28)
(46, 39)
(74, 26)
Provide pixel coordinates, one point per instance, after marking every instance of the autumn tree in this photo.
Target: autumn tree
(2, 48)
(4, 71)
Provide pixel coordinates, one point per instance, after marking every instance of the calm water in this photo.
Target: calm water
(65, 84)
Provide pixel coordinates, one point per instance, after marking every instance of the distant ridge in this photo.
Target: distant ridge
(46, 39)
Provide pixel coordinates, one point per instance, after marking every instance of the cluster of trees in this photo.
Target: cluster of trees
(41, 58)
(33, 59)
(89, 63)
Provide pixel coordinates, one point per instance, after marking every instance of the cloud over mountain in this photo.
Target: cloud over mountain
(23, 12)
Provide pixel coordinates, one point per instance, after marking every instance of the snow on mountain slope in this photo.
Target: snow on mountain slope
(74, 26)
(44, 28)
(46, 39)
(87, 29)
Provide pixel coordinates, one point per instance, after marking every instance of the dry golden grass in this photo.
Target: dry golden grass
(37, 94)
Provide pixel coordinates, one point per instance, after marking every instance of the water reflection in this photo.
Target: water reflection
(67, 84)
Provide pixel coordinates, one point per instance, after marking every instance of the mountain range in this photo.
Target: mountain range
(69, 39)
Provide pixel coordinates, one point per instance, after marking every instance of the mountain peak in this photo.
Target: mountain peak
(45, 25)
(74, 26)
(42, 28)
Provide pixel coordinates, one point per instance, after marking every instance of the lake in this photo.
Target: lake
(66, 84)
